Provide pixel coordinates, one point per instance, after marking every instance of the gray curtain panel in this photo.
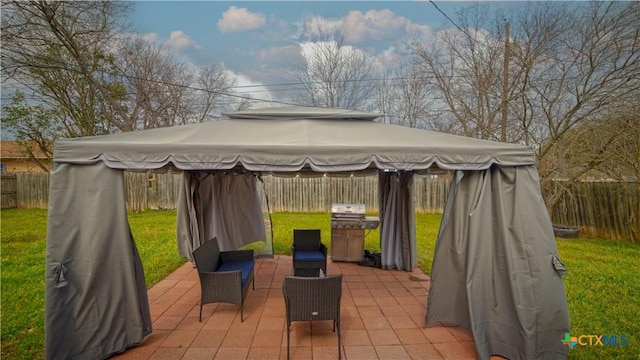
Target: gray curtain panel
(218, 204)
(95, 296)
(493, 269)
(397, 220)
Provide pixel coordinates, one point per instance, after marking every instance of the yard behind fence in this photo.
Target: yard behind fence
(606, 209)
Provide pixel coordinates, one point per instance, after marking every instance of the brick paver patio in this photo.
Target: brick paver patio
(382, 317)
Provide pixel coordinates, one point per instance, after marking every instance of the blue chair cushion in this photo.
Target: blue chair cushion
(308, 256)
(245, 266)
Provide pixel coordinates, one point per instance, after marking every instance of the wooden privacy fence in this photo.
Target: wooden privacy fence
(151, 191)
(610, 210)
(606, 209)
(25, 190)
(301, 194)
(295, 194)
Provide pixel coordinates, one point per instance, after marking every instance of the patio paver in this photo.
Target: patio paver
(382, 318)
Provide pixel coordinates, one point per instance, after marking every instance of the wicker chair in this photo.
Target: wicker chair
(224, 275)
(313, 298)
(309, 253)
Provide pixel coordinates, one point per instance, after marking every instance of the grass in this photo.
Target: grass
(23, 234)
(155, 235)
(602, 286)
(603, 292)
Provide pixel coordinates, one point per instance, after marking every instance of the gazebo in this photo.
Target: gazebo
(495, 271)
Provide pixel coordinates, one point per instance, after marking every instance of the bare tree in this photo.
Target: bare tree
(572, 64)
(211, 99)
(59, 51)
(334, 74)
(464, 69)
(160, 91)
(404, 98)
(74, 61)
(608, 148)
(592, 70)
(153, 84)
(537, 37)
(624, 162)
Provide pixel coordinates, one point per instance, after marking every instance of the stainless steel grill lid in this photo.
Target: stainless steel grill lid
(352, 216)
(348, 210)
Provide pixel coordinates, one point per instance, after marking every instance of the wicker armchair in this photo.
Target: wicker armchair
(309, 253)
(313, 298)
(224, 276)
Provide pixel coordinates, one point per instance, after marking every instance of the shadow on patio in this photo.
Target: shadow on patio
(382, 317)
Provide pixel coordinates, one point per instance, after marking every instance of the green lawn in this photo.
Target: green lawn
(603, 292)
(602, 285)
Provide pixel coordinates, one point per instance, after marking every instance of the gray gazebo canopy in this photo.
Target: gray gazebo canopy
(494, 269)
(291, 139)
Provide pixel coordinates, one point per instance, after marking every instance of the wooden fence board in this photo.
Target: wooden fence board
(8, 185)
(136, 189)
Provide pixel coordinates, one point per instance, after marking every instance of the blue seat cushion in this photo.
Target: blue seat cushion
(245, 266)
(308, 256)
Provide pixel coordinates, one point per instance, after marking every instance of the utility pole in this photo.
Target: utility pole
(505, 82)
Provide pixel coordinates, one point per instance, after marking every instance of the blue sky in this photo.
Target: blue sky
(259, 41)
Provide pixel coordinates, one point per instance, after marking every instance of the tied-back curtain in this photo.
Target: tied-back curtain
(224, 205)
(397, 220)
(95, 296)
(191, 229)
(493, 268)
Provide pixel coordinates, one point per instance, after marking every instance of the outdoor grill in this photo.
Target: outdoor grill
(348, 223)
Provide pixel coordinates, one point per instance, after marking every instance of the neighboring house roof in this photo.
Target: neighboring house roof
(11, 149)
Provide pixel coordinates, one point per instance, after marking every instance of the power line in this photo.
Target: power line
(446, 16)
(63, 66)
(391, 81)
(244, 97)
(423, 77)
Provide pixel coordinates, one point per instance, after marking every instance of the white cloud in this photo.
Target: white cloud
(372, 24)
(421, 31)
(150, 37)
(250, 89)
(240, 19)
(278, 55)
(357, 26)
(179, 41)
(389, 57)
